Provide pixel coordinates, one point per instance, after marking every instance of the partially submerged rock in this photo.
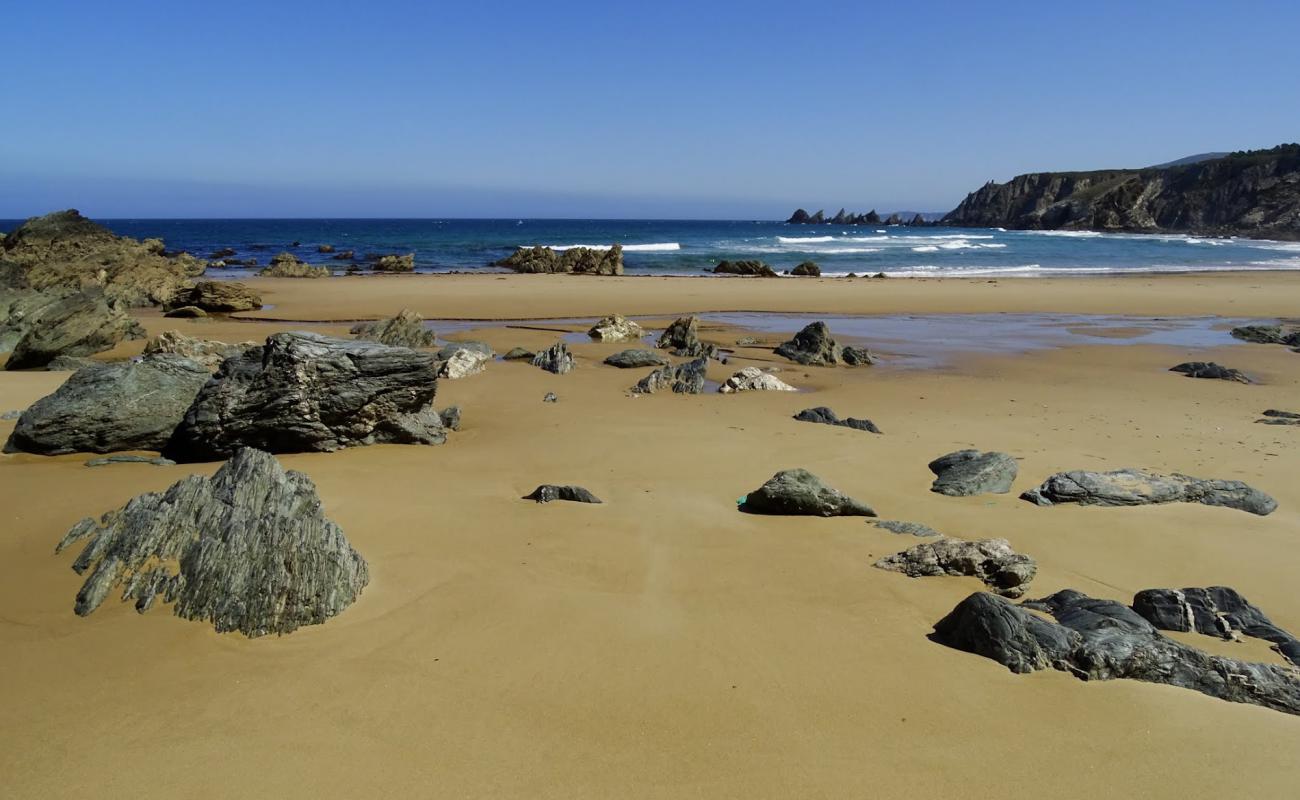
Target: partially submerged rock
(687, 378)
(753, 379)
(1211, 370)
(303, 392)
(555, 359)
(207, 352)
(751, 267)
(991, 560)
(1136, 487)
(970, 472)
(631, 359)
(576, 260)
(450, 417)
(1217, 611)
(132, 405)
(799, 492)
(394, 263)
(220, 296)
(247, 550)
(41, 326)
(616, 328)
(287, 265)
(1102, 640)
(574, 494)
(406, 329)
(814, 347)
(825, 416)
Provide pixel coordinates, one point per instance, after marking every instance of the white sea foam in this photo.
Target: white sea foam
(656, 247)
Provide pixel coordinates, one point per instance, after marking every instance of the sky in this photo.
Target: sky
(668, 109)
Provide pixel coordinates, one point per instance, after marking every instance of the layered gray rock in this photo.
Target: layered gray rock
(132, 405)
(576, 260)
(799, 492)
(208, 352)
(574, 494)
(616, 328)
(462, 359)
(825, 416)
(687, 378)
(41, 326)
(1215, 611)
(814, 347)
(406, 329)
(1136, 487)
(970, 472)
(991, 560)
(303, 392)
(555, 359)
(682, 338)
(1210, 370)
(247, 550)
(219, 296)
(633, 359)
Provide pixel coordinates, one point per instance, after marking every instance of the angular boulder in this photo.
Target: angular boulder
(825, 416)
(753, 379)
(404, 330)
(287, 265)
(991, 560)
(616, 328)
(799, 492)
(631, 359)
(682, 338)
(555, 359)
(220, 296)
(687, 378)
(970, 472)
(1138, 487)
(462, 359)
(45, 325)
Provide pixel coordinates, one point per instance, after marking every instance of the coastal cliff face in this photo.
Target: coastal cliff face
(1254, 193)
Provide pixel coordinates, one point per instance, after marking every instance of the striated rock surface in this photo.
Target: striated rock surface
(303, 392)
(1211, 370)
(682, 338)
(748, 267)
(574, 494)
(577, 260)
(555, 359)
(42, 326)
(991, 560)
(630, 359)
(825, 416)
(206, 352)
(132, 405)
(753, 379)
(1216, 611)
(970, 472)
(247, 550)
(404, 330)
(1137, 487)
(814, 347)
(462, 359)
(685, 378)
(220, 296)
(799, 492)
(287, 265)
(616, 328)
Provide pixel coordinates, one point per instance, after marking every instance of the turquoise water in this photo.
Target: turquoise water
(690, 247)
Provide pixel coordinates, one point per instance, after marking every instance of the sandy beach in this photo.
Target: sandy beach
(663, 645)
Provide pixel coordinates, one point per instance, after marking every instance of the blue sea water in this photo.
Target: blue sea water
(669, 247)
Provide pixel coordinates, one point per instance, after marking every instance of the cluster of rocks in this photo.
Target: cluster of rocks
(574, 260)
(1134, 487)
(970, 472)
(1215, 611)
(798, 492)
(814, 347)
(802, 217)
(991, 560)
(287, 265)
(406, 329)
(807, 269)
(825, 416)
(1210, 370)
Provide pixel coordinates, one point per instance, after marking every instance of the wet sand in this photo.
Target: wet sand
(662, 644)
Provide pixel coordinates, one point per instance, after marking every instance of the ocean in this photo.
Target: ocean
(666, 247)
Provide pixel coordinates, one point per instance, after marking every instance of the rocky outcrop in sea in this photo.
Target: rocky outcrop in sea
(576, 260)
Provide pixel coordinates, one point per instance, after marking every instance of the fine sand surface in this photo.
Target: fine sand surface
(663, 644)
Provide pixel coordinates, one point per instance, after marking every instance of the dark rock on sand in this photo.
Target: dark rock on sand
(814, 347)
(518, 354)
(629, 359)
(450, 417)
(826, 416)
(157, 461)
(970, 472)
(303, 392)
(906, 528)
(685, 378)
(40, 326)
(1217, 611)
(404, 330)
(682, 338)
(550, 398)
(555, 359)
(574, 494)
(799, 492)
(750, 267)
(1211, 370)
(248, 550)
(220, 296)
(991, 560)
(807, 269)
(1274, 417)
(576, 260)
(132, 405)
(1136, 487)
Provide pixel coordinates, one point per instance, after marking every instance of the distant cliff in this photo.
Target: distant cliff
(1254, 193)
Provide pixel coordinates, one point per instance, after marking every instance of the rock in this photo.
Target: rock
(753, 379)
(186, 312)
(685, 378)
(157, 461)
(225, 252)
(1136, 487)
(462, 359)
(991, 560)
(906, 528)
(555, 359)
(630, 359)
(799, 217)
(576, 260)
(404, 330)
(616, 328)
(325, 248)
(548, 492)
(346, 255)
(133, 405)
(450, 417)
(395, 263)
(1217, 611)
(287, 265)
(970, 472)
(550, 398)
(746, 341)
(799, 492)
(826, 416)
(917, 221)
(64, 251)
(753, 268)
(220, 296)
(11, 414)
(45, 325)
(206, 352)
(1275, 417)
(1202, 369)
(1261, 334)
(808, 269)
(72, 363)
(682, 337)
(518, 354)
(303, 392)
(247, 550)
(814, 347)
(857, 356)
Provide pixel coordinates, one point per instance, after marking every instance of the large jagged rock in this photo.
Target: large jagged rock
(46, 325)
(64, 250)
(404, 330)
(1137, 487)
(576, 260)
(303, 392)
(573, 494)
(682, 338)
(220, 296)
(247, 550)
(207, 352)
(462, 359)
(1216, 611)
(616, 328)
(991, 560)
(555, 359)
(630, 359)
(1103, 640)
(1210, 370)
(825, 416)
(394, 263)
(132, 405)
(687, 378)
(753, 379)
(814, 347)
(754, 268)
(287, 265)
(799, 492)
(970, 472)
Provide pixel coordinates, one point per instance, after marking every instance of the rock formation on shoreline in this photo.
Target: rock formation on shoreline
(1217, 611)
(406, 329)
(752, 267)
(753, 379)
(575, 260)
(802, 217)
(394, 263)
(555, 359)
(682, 338)
(687, 378)
(1211, 370)
(1137, 487)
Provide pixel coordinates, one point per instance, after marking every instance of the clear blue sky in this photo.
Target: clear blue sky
(598, 108)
